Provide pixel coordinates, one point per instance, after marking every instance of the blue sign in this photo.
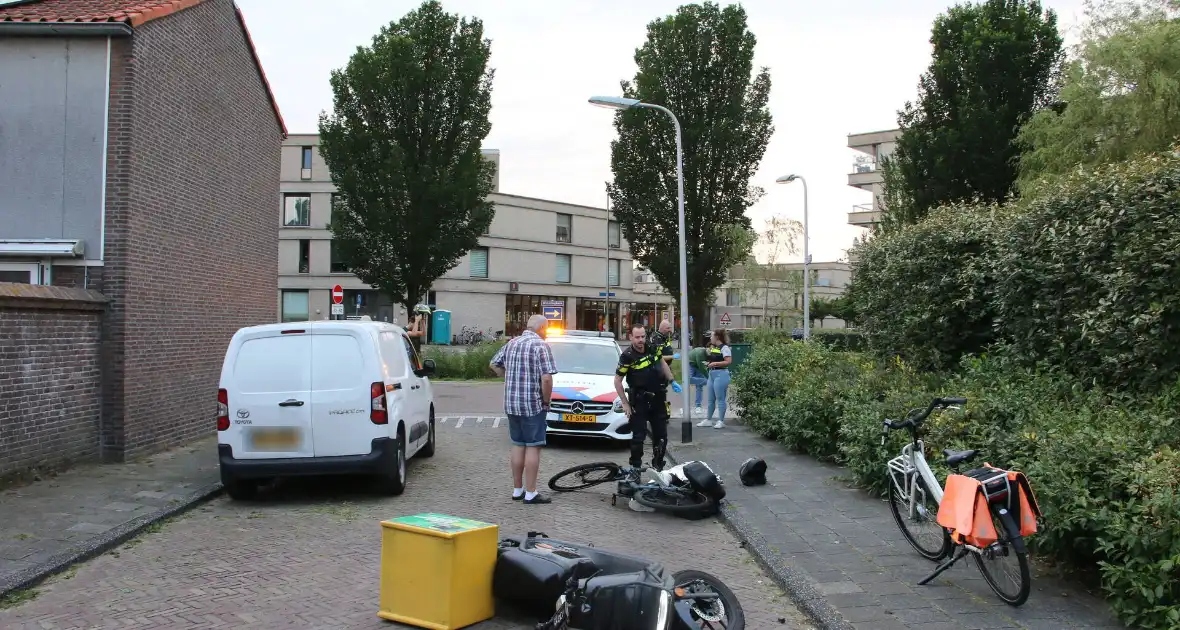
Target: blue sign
(553, 309)
(605, 294)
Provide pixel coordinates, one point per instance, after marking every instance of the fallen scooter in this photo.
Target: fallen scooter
(568, 585)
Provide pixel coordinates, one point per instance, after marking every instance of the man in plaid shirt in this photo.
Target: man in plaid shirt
(527, 365)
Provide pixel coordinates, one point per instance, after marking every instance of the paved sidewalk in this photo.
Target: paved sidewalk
(51, 524)
(839, 554)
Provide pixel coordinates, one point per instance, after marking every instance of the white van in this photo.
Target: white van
(322, 398)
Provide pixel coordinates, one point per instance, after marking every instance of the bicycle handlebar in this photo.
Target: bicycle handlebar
(916, 419)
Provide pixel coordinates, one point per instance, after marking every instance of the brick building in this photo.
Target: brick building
(140, 167)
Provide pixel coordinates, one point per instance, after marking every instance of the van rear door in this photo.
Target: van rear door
(343, 370)
(269, 392)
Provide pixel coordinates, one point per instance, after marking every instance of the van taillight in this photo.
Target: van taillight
(222, 410)
(377, 412)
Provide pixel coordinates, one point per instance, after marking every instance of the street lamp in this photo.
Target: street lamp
(618, 102)
(786, 179)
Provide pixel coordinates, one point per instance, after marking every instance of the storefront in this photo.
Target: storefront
(358, 303)
(518, 308)
(647, 314)
(594, 315)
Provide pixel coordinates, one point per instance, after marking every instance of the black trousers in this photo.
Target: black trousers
(649, 409)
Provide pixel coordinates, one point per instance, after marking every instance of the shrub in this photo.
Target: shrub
(463, 362)
(924, 292)
(1104, 466)
(1087, 274)
(847, 339)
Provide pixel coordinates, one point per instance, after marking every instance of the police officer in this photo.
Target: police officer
(647, 377)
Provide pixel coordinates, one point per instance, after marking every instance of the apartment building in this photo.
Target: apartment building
(753, 297)
(535, 251)
(866, 174)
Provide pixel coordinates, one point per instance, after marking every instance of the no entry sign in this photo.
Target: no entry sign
(337, 295)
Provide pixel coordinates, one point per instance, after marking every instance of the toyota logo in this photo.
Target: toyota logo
(243, 413)
(577, 407)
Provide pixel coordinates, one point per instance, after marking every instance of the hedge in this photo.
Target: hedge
(1104, 466)
(464, 362)
(1085, 277)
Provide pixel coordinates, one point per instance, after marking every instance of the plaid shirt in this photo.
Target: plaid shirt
(524, 360)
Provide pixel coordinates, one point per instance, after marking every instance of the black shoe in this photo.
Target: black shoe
(657, 466)
(540, 498)
(518, 497)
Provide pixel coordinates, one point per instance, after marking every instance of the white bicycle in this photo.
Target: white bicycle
(915, 495)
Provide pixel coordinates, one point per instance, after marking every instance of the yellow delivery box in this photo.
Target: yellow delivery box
(436, 571)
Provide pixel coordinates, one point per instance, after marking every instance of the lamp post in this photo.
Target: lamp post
(786, 179)
(618, 102)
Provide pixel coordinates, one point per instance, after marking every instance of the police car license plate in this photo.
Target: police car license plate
(578, 417)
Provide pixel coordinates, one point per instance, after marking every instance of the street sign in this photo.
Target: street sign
(605, 294)
(337, 295)
(553, 309)
(337, 309)
(725, 319)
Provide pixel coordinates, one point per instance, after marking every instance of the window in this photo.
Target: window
(585, 358)
(479, 262)
(304, 255)
(565, 228)
(297, 210)
(733, 297)
(305, 163)
(22, 273)
(336, 265)
(295, 306)
(563, 268)
(612, 273)
(613, 236)
(411, 356)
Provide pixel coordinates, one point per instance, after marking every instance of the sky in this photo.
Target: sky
(837, 67)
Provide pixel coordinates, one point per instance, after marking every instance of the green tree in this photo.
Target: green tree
(699, 64)
(995, 64)
(1121, 93)
(403, 146)
(768, 282)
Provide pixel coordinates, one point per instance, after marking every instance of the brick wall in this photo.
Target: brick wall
(192, 221)
(50, 377)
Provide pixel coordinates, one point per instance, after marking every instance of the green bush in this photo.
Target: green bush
(463, 362)
(1088, 274)
(924, 292)
(1103, 466)
(839, 338)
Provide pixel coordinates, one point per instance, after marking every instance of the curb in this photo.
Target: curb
(97, 545)
(798, 586)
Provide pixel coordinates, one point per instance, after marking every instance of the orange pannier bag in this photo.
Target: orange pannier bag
(964, 508)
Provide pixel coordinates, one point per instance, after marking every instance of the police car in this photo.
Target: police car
(584, 401)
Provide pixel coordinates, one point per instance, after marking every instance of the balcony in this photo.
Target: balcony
(863, 215)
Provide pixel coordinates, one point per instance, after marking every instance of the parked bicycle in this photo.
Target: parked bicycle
(690, 489)
(916, 497)
(469, 335)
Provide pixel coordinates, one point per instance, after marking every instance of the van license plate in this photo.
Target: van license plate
(274, 439)
(578, 417)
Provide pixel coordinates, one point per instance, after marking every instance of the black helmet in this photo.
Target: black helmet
(753, 472)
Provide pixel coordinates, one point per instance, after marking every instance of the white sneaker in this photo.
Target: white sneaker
(719, 424)
(704, 423)
(698, 411)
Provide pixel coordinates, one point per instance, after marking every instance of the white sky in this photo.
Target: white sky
(836, 67)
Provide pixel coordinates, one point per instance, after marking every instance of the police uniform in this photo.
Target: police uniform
(648, 397)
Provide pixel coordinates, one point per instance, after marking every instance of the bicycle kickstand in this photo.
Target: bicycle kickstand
(958, 555)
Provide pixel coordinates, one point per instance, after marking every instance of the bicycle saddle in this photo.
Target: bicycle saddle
(954, 458)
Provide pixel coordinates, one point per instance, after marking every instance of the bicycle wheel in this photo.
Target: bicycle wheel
(673, 501)
(584, 476)
(723, 612)
(921, 530)
(1004, 568)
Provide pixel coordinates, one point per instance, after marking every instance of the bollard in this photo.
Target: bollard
(686, 431)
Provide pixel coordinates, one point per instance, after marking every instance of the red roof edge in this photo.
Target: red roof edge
(261, 73)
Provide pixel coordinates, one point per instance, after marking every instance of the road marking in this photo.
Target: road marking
(460, 423)
(444, 419)
(479, 420)
(496, 423)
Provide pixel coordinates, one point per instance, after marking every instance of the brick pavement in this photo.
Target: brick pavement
(307, 555)
(841, 547)
(60, 518)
